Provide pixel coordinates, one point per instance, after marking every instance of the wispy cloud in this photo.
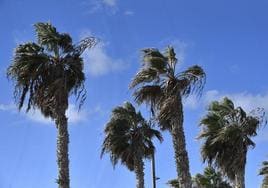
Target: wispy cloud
(129, 13)
(7, 107)
(246, 100)
(98, 62)
(93, 6)
(110, 3)
(74, 115)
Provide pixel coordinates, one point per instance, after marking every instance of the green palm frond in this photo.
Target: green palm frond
(191, 80)
(158, 80)
(144, 76)
(264, 172)
(128, 136)
(49, 70)
(149, 94)
(227, 133)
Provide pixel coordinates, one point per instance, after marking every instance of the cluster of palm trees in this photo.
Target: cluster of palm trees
(48, 71)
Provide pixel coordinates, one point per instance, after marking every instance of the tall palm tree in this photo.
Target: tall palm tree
(264, 172)
(227, 133)
(128, 138)
(158, 85)
(45, 74)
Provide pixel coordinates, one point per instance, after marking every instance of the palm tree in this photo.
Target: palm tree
(128, 138)
(46, 73)
(227, 133)
(210, 179)
(158, 85)
(264, 172)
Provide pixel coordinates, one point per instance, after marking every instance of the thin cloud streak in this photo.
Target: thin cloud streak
(94, 6)
(73, 114)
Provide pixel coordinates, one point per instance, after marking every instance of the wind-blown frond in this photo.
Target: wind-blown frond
(153, 59)
(227, 133)
(128, 136)
(192, 80)
(149, 94)
(88, 42)
(48, 71)
(144, 76)
(264, 172)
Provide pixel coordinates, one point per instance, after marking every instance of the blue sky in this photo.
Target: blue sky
(227, 38)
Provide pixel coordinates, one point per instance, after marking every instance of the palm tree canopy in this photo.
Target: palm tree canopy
(227, 133)
(157, 82)
(48, 69)
(211, 179)
(264, 172)
(128, 135)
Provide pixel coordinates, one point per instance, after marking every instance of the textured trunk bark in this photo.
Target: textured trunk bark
(139, 171)
(62, 150)
(179, 144)
(240, 179)
(153, 171)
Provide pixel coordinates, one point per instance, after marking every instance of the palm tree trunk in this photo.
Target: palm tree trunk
(179, 144)
(62, 150)
(153, 171)
(139, 171)
(240, 179)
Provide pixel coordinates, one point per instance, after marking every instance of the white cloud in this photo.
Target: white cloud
(246, 100)
(110, 3)
(7, 107)
(129, 13)
(98, 62)
(93, 6)
(74, 115)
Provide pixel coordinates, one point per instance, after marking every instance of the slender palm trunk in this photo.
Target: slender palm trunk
(139, 171)
(179, 144)
(240, 179)
(153, 171)
(62, 150)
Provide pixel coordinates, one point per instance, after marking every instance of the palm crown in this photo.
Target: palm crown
(157, 82)
(227, 133)
(128, 136)
(48, 70)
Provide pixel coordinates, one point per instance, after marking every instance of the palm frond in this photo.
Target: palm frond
(88, 42)
(227, 133)
(149, 94)
(48, 71)
(127, 136)
(47, 36)
(144, 76)
(192, 80)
